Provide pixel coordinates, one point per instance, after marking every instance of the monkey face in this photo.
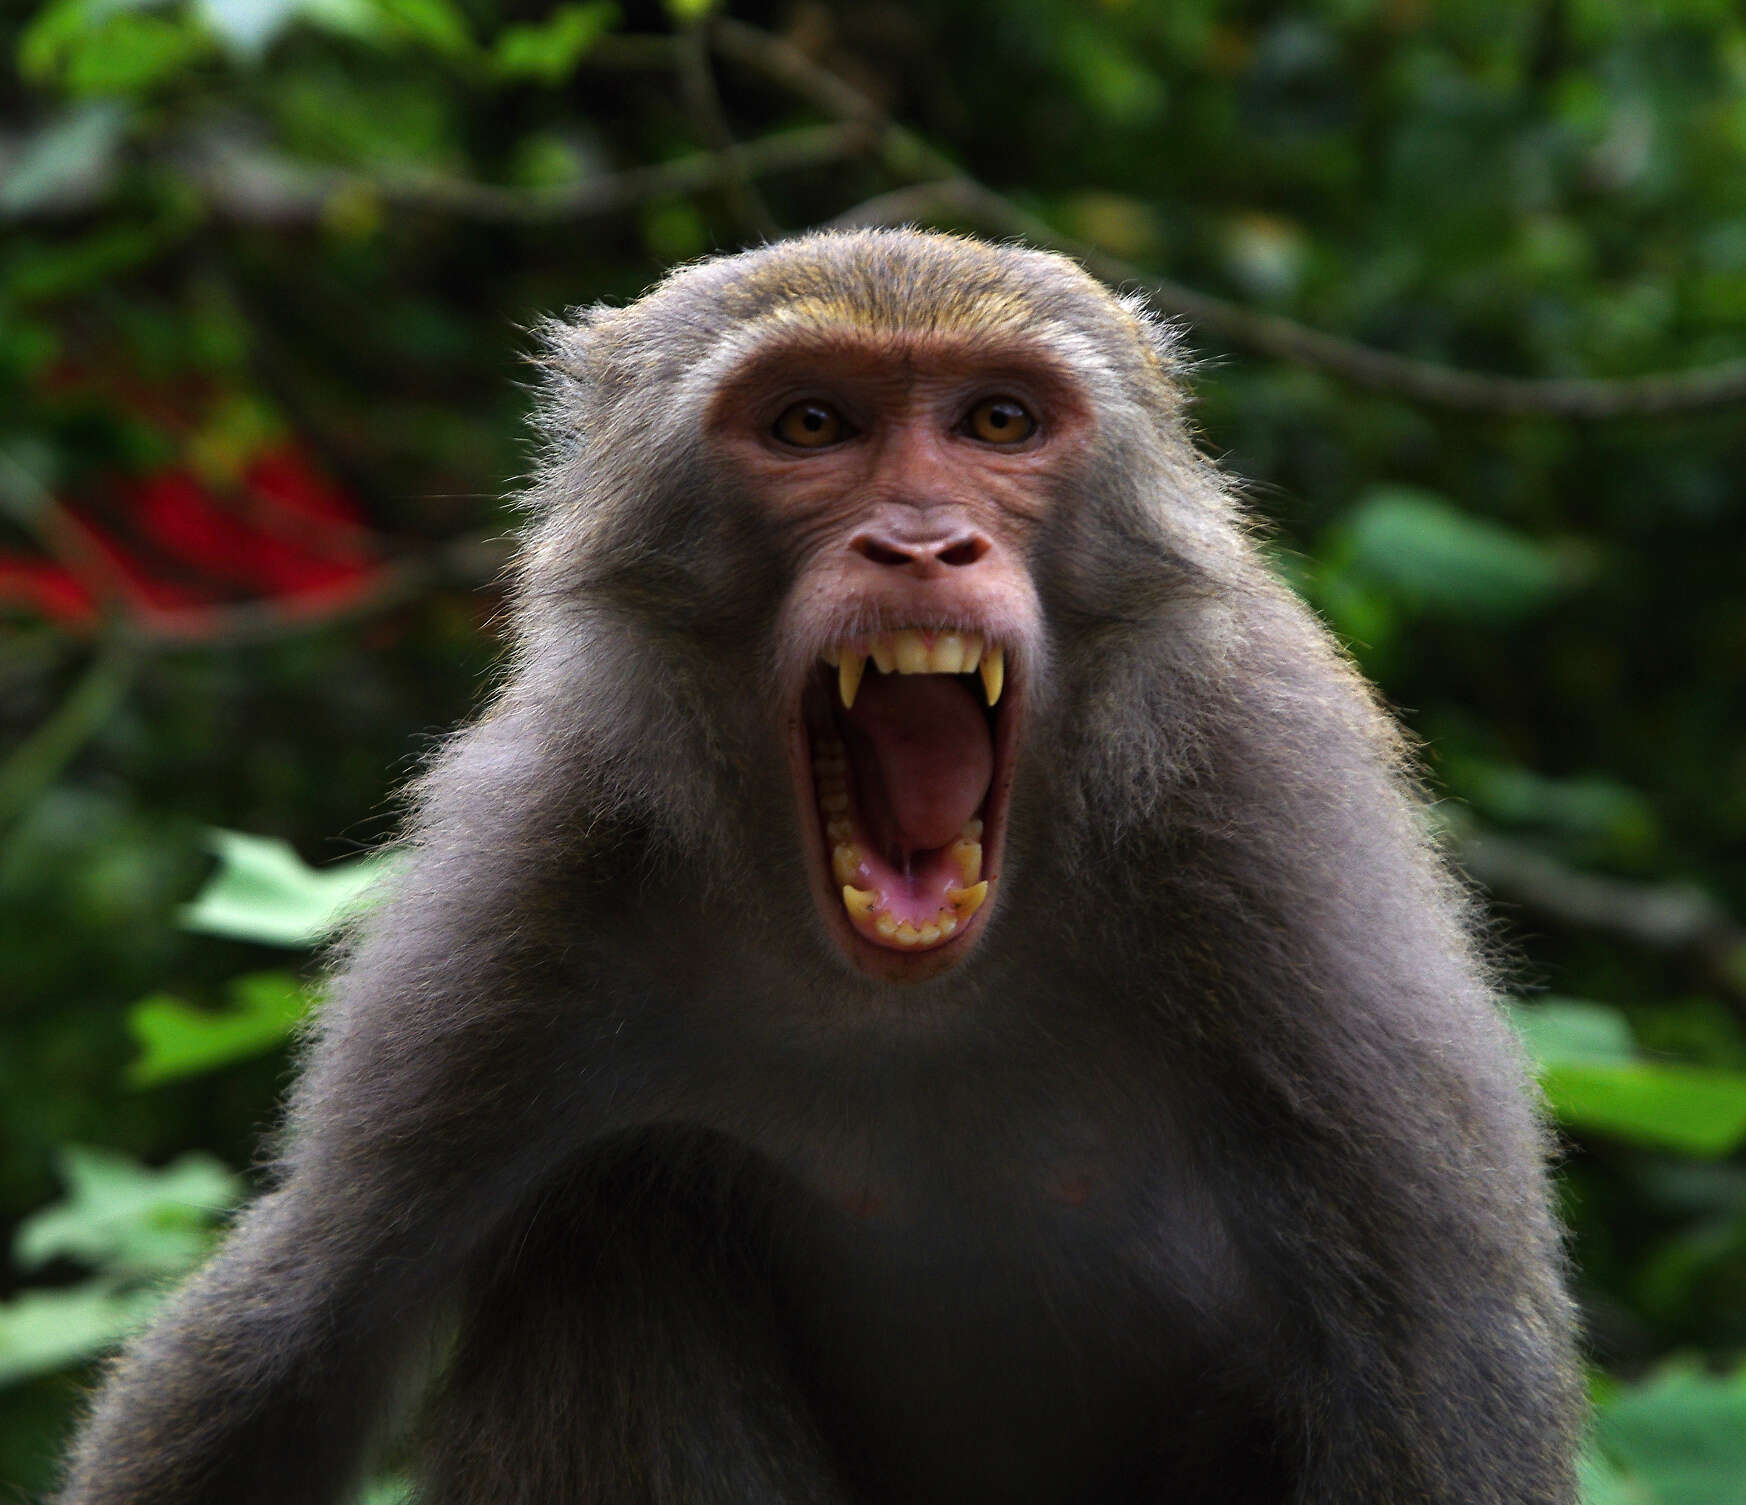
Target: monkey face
(911, 473)
(917, 472)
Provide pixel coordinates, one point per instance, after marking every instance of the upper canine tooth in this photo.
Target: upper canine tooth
(993, 673)
(849, 672)
(911, 652)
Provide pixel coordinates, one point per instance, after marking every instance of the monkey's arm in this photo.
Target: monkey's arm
(1447, 1379)
(458, 1064)
(1372, 1123)
(1398, 1209)
(265, 1377)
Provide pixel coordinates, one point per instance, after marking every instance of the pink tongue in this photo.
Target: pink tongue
(933, 756)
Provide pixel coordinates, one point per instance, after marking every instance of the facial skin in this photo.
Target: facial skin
(927, 984)
(912, 476)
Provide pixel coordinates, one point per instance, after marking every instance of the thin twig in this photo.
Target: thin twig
(472, 562)
(258, 187)
(35, 508)
(36, 762)
(1676, 917)
(905, 153)
(697, 82)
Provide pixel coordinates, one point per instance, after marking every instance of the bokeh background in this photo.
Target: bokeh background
(1469, 279)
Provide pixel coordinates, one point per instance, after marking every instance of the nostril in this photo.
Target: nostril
(880, 552)
(965, 551)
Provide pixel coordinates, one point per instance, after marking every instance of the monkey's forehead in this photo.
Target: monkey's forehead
(891, 283)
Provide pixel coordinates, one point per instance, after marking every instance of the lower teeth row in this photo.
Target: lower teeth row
(831, 771)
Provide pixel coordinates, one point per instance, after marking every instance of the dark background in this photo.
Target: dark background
(1470, 282)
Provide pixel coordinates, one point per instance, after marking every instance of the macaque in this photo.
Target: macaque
(927, 985)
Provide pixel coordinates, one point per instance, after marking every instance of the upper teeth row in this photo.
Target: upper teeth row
(913, 651)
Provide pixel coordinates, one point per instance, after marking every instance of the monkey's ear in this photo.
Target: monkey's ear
(567, 355)
(1165, 339)
(565, 348)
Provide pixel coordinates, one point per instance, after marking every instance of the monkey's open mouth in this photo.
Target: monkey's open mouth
(909, 742)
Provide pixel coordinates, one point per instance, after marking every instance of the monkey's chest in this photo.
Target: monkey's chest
(964, 1344)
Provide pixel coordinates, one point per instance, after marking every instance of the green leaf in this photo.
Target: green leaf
(438, 24)
(178, 1040)
(109, 47)
(1692, 1109)
(127, 1220)
(1595, 1079)
(1599, 1482)
(358, 19)
(59, 26)
(54, 268)
(674, 231)
(78, 148)
(682, 12)
(1567, 1031)
(248, 27)
(1111, 77)
(550, 50)
(1680, 1437)
(1583, 806)
(42, 1332)
(1436, 558)
(263, 891)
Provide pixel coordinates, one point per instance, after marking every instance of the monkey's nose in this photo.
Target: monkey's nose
(921, 556)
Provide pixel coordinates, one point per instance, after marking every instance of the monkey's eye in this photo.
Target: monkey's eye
(1000, 420)
(811, 425)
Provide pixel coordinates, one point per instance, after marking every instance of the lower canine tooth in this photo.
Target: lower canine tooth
(967, 900)
(859, 901)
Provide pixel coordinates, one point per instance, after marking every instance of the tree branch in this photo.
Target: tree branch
(37, 761)
(954, 194)
(697, 82)
(1678, 917)
(259, 187)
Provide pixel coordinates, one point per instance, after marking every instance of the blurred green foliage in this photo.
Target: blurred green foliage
(264, 266)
